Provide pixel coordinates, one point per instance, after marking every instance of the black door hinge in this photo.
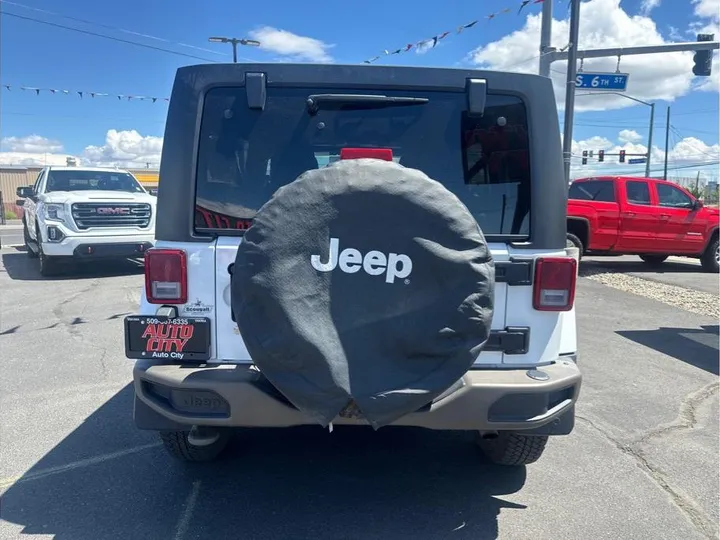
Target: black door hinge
(511, 340)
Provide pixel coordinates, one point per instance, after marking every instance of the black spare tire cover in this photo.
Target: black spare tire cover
(363, 281)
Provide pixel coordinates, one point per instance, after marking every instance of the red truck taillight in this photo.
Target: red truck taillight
(166, 276)
(554, 288)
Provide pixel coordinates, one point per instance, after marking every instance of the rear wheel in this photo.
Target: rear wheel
(710, 260)
(26, 237)
(178, 445)
(513, 449)
(574, 241)
(654, 259)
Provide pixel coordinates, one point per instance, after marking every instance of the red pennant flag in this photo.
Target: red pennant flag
(408, 47)
(80, 94)
(522, 5)
(154, 99)
(443, 35)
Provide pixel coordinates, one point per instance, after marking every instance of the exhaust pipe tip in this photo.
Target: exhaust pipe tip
(488, 435)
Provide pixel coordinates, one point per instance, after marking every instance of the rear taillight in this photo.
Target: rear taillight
(385, 154)
(166, 276)
(554, 288)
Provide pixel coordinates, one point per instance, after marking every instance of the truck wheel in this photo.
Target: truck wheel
(654, 259)
(513, 449)
(48, 265)
(574, 241)
(176, 444)
(710, 260)
(26, 237)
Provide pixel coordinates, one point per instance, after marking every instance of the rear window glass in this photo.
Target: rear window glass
(246, 155)
(593, 190)
(69, 180)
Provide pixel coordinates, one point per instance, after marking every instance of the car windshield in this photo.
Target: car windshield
(245, 155)
(79, 180)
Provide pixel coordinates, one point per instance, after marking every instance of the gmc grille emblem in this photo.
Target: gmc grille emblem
(113, 211)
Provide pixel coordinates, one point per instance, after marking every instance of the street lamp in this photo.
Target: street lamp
(652, 121)
(235, 42)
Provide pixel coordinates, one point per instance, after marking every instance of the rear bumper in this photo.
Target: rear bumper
(174, 397)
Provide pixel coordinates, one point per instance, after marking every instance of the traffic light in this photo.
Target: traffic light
(601, 155)
(703, 59)
(584, 159)
(622, 156)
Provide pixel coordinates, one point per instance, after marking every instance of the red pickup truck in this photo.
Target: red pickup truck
(652, 218)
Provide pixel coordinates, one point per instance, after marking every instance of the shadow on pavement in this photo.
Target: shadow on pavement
(19, 266)
(695, 346)
(611, 264)
(295, 483)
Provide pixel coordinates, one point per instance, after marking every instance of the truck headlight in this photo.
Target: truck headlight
(54, 212)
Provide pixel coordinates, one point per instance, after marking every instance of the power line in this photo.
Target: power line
(112, 38)
(109, 27)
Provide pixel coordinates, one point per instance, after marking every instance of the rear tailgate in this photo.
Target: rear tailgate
(231, 348)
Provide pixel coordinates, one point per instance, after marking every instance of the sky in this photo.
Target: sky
(133, 48)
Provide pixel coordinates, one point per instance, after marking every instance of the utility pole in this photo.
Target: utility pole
(546, 39)
(650, 134)
(570, 84)
(667, 142)
(235, 42)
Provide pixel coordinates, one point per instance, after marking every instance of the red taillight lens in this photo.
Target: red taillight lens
(375, 153)
(554, 288)
(166, 276)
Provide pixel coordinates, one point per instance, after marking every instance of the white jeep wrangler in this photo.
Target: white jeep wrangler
(358, 245)
(74, 214)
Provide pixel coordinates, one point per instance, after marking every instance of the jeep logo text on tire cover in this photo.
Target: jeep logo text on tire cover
(375, 263)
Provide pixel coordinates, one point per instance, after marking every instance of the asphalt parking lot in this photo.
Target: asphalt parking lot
(641, 463)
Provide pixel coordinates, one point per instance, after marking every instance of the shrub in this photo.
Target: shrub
(9, 214)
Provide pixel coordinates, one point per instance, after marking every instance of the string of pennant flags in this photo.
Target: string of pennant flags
(84, 93)
(431, 43)
(420, 46)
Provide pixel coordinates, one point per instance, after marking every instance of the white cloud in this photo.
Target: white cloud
(707, 9)
(690, 153)
(648, 5)
(629, 136)
(30, 144)
(292, 46)
(603, 23)
(126, 149)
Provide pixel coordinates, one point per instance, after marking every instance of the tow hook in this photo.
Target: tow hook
(203, 435)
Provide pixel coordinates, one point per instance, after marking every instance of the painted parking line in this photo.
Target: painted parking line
(43, 473)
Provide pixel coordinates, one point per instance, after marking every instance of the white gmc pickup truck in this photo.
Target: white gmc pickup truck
(81, 213)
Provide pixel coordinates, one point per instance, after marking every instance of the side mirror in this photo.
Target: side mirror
(153, 192)
(20, 202)
(25, 192)
(697, 204)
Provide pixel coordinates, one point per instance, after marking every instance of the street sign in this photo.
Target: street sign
(636, 161)
(616, 82)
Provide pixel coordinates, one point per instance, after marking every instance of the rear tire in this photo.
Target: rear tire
(176, 444)
(513, 449)
(574, 241)
(654, 260)
(26, 238)
(710, 260)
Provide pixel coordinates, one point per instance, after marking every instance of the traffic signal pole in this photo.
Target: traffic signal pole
(549, 54)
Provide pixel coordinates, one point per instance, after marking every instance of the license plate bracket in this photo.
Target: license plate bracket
(167, 338)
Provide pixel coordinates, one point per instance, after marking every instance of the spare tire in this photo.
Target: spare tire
(364, 285)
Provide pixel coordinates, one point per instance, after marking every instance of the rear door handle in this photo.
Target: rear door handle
(629, 214)
(665, 216)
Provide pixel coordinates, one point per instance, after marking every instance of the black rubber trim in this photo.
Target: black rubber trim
(516, 271)
(511, 340)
